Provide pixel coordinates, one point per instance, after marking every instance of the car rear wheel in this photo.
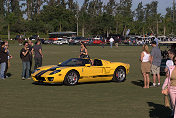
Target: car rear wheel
(71, 78)
(119, 74)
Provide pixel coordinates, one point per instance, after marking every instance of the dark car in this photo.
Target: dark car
(163, 66)
(34, 37)
(19, 37)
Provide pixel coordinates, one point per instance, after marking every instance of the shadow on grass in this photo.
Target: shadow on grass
(9, 74)
(60, 84)
(47, 84)
(158, 111)
(95, 82)
(140, 83)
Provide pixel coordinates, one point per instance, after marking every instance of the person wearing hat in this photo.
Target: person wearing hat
(156, 62)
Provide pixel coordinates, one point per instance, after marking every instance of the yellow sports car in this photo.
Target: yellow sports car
(77, 70)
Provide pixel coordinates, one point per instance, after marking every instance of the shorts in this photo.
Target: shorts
(155, 69)
(145, 67)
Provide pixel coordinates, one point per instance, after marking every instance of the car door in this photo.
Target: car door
(93, 72)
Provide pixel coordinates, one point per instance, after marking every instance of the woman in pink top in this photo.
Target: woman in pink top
(170, 82)
(145, 65)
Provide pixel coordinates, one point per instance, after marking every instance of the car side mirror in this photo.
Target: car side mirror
(87, 65)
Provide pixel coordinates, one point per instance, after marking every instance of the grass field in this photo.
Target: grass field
(22, 99)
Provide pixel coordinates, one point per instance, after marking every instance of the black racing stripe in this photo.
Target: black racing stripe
(44, 71)
(41, 73)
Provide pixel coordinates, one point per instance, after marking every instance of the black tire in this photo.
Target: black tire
(119, 74)
(71, 78)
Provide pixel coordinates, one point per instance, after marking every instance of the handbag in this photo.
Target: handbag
(166, 101)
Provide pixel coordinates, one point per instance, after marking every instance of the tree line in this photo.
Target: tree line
(93, 17)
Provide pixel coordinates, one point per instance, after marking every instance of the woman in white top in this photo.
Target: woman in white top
(145, 65)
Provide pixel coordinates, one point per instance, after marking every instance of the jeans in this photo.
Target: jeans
(111, 44)
(26, 68)
(3, 68)
(38, 62)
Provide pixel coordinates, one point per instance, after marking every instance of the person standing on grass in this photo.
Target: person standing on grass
(9, 57)
(3, 60)
(145, 65)
(25, 57)
(111, 40)
(30, 46)
(38, 54)
(103, 42)
(156, 62)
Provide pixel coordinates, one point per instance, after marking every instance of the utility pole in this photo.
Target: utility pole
(173, 15)
(8, 12)
(77, 25)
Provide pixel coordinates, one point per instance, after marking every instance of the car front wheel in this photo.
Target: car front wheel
(71, 78)
(119, 74)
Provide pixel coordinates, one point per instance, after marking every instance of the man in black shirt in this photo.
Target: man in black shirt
(3, 59)
(25, 57)
(30, 46)
(38, 54)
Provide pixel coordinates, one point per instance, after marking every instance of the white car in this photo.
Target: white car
(60, 41)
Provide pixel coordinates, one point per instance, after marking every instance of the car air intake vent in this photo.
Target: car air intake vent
(40, 78)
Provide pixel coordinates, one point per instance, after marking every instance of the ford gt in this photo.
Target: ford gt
(78, 70)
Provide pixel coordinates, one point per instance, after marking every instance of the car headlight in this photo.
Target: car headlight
(35, 70)
(54, 72)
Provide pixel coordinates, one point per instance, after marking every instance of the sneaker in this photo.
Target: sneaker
(2, 78)
(23, 78)
(6, 76)
(154, 85)
(29, 78)
(158, 84)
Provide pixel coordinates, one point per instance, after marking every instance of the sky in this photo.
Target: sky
(162, 4)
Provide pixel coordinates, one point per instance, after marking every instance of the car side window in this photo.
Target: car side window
(97, 62)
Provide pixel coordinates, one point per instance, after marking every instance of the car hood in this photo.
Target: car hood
(52, 67)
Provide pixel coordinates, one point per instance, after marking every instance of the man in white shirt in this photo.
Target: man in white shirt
(111, 40)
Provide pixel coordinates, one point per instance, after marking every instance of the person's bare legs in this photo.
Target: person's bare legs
(158, 76)
(144, 75)
(147, 80)
(154, 79)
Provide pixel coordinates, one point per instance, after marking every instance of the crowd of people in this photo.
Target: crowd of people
(26, 54)
(150, 62)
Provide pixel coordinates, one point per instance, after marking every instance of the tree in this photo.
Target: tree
(151, 17)
(140, 12)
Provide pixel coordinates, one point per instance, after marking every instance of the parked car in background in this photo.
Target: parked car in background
(76, 40)
(164, 53)
(48, 42)
(60, 41)
(19, 37)
(34, 37)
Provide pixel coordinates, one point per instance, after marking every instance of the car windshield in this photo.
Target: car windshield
(75, 62)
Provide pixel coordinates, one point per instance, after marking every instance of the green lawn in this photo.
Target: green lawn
(22, 99)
